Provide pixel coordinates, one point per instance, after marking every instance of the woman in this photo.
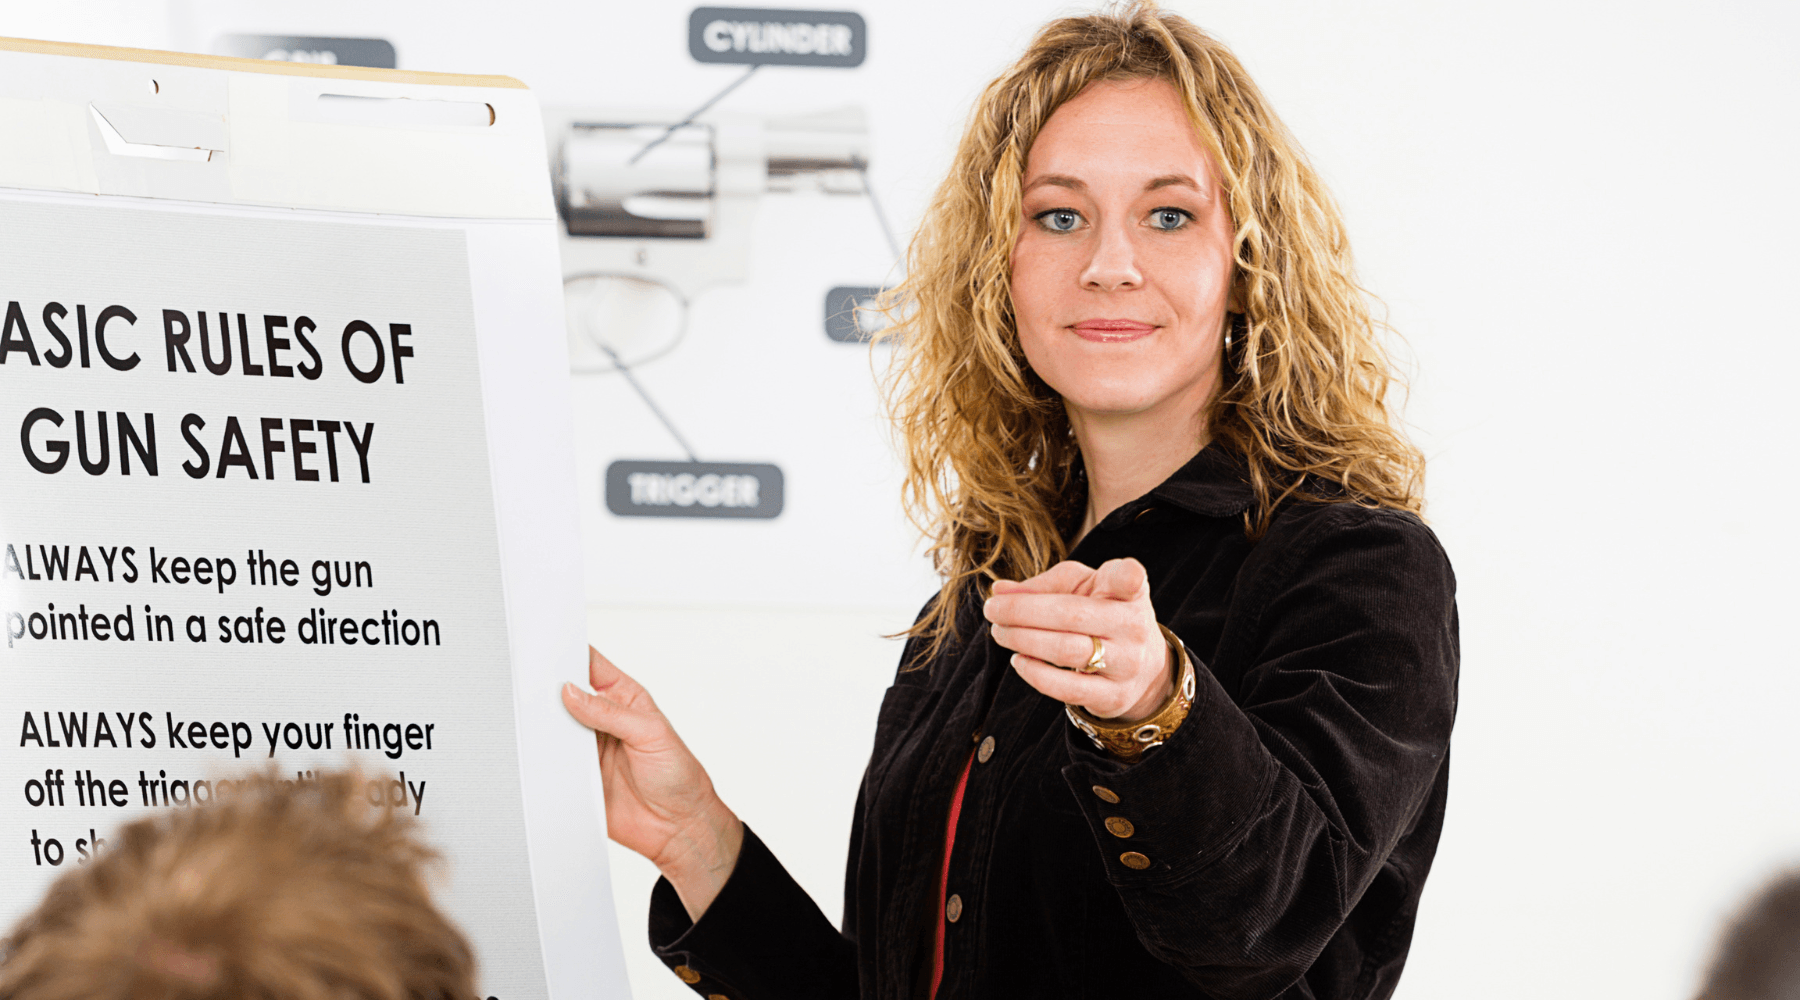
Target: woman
(1211, 765)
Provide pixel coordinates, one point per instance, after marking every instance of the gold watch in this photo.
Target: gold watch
(1128, 741)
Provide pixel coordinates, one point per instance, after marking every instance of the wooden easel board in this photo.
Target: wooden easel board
(286, 479)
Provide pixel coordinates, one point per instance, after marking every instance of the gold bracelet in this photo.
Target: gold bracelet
(1129, 741)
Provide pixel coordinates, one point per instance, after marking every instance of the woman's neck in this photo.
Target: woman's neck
(1128, 455)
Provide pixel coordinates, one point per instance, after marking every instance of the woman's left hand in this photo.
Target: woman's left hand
(1047, 622)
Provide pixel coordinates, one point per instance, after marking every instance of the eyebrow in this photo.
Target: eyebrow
(1172, 180)
(1058, 180)
(1077, 184)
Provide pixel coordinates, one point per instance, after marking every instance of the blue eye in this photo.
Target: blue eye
(1059, 220)
(1169, 219)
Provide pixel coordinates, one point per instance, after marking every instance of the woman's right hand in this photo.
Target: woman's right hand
(659, 800)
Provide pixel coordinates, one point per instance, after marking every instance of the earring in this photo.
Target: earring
(1233, 323)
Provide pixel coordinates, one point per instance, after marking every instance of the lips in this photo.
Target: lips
(1112, 331)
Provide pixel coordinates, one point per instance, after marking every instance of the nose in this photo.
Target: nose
(1113, 267)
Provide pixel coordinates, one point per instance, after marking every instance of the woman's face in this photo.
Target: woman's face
(1123, 266)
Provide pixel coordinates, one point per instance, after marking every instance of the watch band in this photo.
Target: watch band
(1128, 742)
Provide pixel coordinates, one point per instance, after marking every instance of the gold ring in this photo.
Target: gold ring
(1097, 661)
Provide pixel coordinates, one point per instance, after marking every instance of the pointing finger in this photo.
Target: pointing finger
(1066, 577)
(1120, 579)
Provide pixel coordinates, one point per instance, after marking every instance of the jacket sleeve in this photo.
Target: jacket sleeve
(763, 938)
(1258, 824)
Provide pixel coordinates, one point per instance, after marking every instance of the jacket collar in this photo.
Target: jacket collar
(1214, 483)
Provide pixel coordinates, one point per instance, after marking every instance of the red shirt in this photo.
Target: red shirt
(937, 948)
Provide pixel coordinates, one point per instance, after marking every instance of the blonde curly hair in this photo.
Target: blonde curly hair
(990, 457)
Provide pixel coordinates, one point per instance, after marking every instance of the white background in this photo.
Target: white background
(1581, 217)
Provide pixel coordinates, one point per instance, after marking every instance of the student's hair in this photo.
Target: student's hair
(278, 890)
(990, 458)
(1759, 953)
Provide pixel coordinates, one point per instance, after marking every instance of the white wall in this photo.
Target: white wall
(1582, 219)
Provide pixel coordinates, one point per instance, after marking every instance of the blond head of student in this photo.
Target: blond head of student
(281, 890)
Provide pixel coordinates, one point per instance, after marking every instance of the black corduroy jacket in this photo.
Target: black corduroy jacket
(1288, 824)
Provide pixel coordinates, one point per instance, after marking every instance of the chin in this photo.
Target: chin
(1112, 399)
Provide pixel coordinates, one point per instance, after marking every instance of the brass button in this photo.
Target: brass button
(1132, 859)
(953, 909)
(986, 751)
(1106, 794)
(687, 975)
(1119, 826)
(717, 996)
